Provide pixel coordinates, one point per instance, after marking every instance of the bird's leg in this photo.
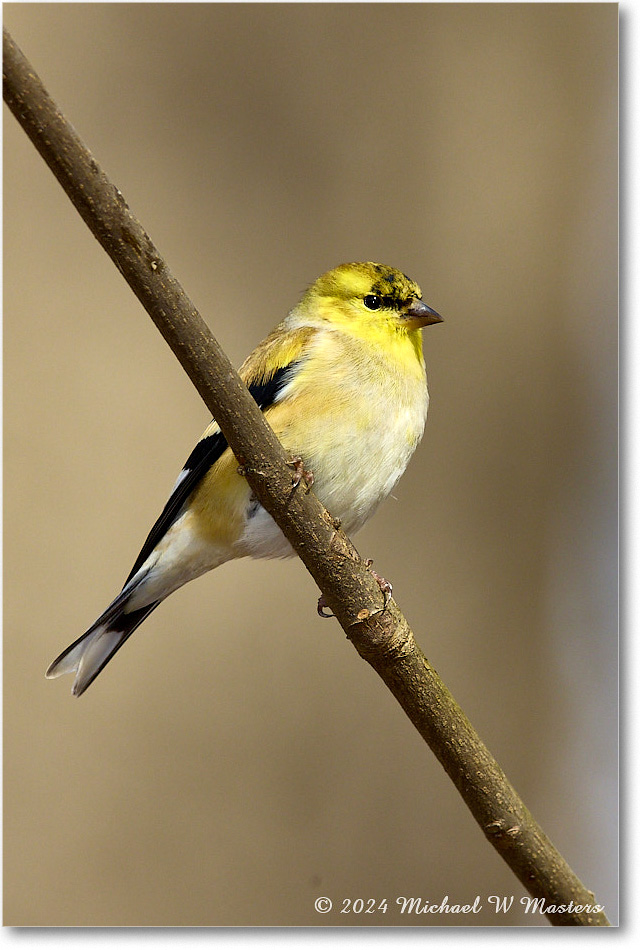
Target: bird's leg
(300, 472)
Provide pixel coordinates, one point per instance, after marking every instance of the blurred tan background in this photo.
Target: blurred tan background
(474, 147)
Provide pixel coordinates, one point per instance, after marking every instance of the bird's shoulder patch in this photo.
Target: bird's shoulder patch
(274, 357)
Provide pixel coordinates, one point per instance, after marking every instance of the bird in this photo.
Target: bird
(342, 382)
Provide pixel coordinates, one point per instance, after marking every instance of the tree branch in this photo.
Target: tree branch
(382, 637)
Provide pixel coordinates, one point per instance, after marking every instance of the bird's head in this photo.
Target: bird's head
(367, 299)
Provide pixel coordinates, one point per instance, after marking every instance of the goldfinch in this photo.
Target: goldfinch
(342, 382)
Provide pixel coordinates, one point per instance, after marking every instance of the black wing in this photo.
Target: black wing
(206, 452)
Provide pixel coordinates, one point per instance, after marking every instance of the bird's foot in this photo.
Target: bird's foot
(322, 607)
(301, 473)
(384, 585)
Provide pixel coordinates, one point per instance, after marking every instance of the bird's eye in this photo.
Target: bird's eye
(372, 302)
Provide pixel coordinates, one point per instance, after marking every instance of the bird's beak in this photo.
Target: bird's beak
(418, 314)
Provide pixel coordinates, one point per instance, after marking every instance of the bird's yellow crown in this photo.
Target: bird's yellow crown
(358, 280)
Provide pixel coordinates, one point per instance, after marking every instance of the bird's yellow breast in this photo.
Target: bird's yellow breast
(355, 414)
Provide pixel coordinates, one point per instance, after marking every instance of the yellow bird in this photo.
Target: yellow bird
(342, 382)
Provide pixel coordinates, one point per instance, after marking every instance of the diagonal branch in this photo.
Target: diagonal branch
(382, 637)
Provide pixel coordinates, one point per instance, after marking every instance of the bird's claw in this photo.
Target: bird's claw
(301, 473)
(384, 585)
(322, 607)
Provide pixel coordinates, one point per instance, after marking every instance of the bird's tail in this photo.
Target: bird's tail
(89, 654)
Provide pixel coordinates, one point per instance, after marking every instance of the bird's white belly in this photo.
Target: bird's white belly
(366, 463)
(367, 459)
